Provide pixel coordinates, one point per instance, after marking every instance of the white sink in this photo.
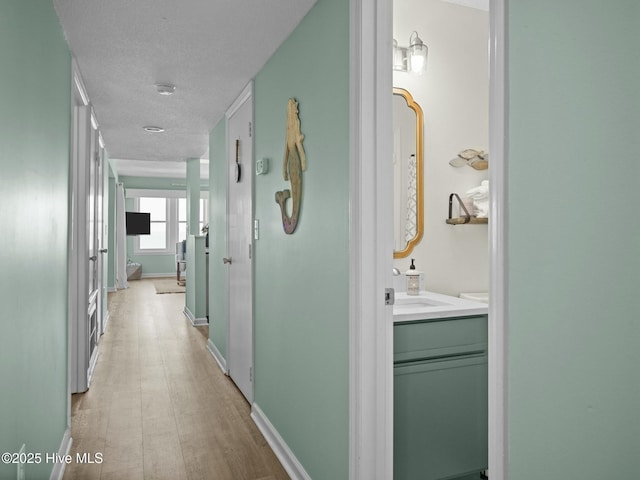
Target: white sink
(419, 301)
(430, 305)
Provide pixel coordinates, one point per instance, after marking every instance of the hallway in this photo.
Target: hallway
(159, 406)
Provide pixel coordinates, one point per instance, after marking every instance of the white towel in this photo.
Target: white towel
(480, 197)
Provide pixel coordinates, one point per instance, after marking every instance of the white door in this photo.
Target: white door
(94, 224)
(85, 277)
(239, 243)
(101, 235)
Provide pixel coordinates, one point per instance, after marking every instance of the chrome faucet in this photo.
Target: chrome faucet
(396, 272)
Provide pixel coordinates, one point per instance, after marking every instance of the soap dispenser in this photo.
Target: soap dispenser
(413, 279)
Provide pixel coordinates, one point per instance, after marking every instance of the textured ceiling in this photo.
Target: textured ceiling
(209, 49)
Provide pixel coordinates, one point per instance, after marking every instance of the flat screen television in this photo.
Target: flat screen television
(138, 223)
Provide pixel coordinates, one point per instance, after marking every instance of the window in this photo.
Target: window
(158, 209)
(168, 211)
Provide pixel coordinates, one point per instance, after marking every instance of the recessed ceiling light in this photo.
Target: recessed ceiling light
(152, 129)
(165, 88)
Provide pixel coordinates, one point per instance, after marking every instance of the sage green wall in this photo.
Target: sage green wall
(153, 265)
(574, 321)
(193, 196)
(35, 100)
(218, 237)
(301, 288)
(195, 292)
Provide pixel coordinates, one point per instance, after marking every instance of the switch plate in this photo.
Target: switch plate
(262, 166)
(389, 296)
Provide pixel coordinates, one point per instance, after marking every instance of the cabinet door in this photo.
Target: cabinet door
(440, 418)
(445, 337)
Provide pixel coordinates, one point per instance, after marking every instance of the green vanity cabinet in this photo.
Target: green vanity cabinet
(440, 398)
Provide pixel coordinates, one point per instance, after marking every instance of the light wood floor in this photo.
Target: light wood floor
(159, 406)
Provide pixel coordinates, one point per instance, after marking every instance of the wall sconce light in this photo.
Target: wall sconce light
(399, 57)
(417, 54)
(412, 58)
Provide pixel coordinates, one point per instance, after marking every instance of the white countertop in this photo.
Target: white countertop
(431, 305)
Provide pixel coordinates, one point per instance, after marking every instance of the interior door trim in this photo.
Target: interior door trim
(370, 405)
(78, 258)
(370, 242)
(498, 240)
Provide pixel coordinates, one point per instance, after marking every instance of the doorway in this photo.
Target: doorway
(86, 245)
(239, 242)
(371, 405)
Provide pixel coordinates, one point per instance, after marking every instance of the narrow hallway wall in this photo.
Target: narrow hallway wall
(574, 315)
(218, 239)
(302, 279)
(34, 154)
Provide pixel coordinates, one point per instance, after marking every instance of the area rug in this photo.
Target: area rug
(168, 285)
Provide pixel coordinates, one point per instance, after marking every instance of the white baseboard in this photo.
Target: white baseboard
(92, 364)
(105, 322)
(288, 460)
(213, 350)
(65, 447)
(195, 321)
(158, 275)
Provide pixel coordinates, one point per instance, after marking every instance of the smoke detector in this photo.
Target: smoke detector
(165, 88)
(152, 129)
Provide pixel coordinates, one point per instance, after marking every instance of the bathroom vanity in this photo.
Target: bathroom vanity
(440, 387)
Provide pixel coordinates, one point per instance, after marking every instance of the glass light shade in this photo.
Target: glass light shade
(418, 58)
(417, 54)
(399, 57)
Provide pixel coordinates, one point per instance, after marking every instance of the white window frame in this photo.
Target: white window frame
(172, 197)
(170, 235)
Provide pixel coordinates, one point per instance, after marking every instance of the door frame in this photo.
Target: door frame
(371, 331)
(247, 173)
(498, 238)
(78, 261)
(370, 242)
(85, 149)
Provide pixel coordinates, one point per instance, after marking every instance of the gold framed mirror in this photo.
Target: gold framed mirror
(408, 176)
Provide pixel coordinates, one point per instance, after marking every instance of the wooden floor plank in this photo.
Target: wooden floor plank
(159, 406)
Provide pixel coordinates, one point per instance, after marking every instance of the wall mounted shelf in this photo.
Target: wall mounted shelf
(467, 219)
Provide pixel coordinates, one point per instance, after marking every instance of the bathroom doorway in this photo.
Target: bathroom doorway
(371, 345)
